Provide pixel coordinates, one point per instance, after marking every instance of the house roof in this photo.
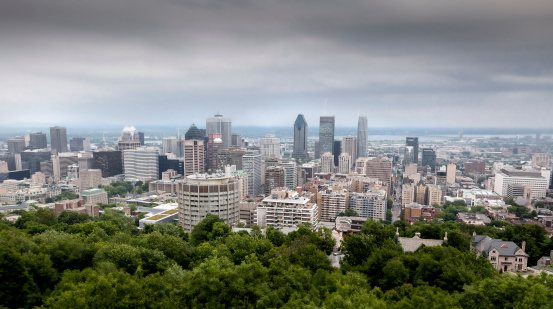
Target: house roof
(412, 244)
(505, 248)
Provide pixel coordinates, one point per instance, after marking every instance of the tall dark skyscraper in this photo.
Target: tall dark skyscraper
(38, 140)
(362, 136)
(110, 162)
(413, 142)
(429, 158)
(194, 133)
(30, 160)
(58, 139)
(337, 151)
(16, 145)
(300, 139)
(141, 138)
(326, 134)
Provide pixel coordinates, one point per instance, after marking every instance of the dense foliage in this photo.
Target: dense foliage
(74, 261)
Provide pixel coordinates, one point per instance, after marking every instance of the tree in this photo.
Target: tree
(70, 217)
(46, 216)
(348, 213)
(17, 288)
(200, 232)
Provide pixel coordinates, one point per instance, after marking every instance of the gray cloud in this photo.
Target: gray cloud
(407, 63)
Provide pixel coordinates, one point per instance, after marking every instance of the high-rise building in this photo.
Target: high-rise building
(194, 133)
(326, 134)
(230, 157)
(141, 138)
(434, 195)
(286, 209)
(274, 178)
(214, 144)
(290, 174)
(141, 163)
(109, 162)
(317, 149)
(30, 159)
(369, 205)
(337, 151)
(441, 180)
(200, 195)
(429, 158)
(129, 139)
(300, 139)
(344, 163)
(220, 125)
(194, 157)
(58, 139)
(407, 194)
(16, 146)
(409, 156)
(536, 181)
(413, 142)
(380, 168)
(349, 145)
(38, 140)
(451, 173)
(327, 163)
(251, 165)
(331, 204)
(236, 140)
(270, 145)
(362, 137)
(169, 145)
(77, 144)
(90, 178)
(540, 160)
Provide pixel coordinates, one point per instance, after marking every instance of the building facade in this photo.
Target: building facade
(58, 139)
(141, 163)
(300, 139)
(326, 134)
(362, 137)
(220, 125)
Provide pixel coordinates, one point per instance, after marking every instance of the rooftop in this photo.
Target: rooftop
(92, 191)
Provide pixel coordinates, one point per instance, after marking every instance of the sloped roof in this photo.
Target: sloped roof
(412, 244)
(505, 248)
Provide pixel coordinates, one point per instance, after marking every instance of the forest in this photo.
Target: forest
(75, 261)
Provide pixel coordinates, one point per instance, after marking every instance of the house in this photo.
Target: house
(546, 260)
(413, 244)
(504, 255)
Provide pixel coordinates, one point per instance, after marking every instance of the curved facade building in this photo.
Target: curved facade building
(201, 194)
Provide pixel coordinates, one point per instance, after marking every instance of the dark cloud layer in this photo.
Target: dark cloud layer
(485, 63)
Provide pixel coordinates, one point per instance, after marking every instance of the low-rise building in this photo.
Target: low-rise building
(473, 218)
(504, 255)
(94, 196)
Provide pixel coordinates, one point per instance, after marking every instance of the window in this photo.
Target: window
(493, 258)
(506, 259)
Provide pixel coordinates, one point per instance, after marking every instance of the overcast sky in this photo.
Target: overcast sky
(484, 63)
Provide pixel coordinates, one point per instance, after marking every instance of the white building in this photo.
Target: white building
(531, 180)
(285, 209)
(349, 145)
(141, 163)
(290, 174)
(370, 204)
(327, 163)
(345, 161)
(251, 165)
(270, 145)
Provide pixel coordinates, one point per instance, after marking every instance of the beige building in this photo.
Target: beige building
(349, 145)
(39, 178)
(331, 203)
(194, 157)
(433, 195)
(199, 195)
(410, 169)
(90, 178)
(327, 163)
(420, 193)
(504, 255)
(451, 173)
(94, 196)
(540, 160)
(407, 194)
(380, 168)
(286, 209)
(3, 167)
(361, 165)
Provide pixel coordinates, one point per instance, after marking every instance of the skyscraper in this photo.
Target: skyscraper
(16, 145)
(413, 142)
(337, 148)
(38, 140)
(429, 158)
(110, 162)
(236, 140)
(214, 144)
(349, 145)
(194, 133)
(300, 139)
(362, 137)
(326, 134)
(327, 163)
(251, 165)
(129, 139)
(141, 163)
(194, 157)
(79, 144)
(220, 125)
(58, 139)
(270, 145)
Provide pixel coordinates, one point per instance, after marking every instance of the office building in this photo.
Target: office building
(38, 141)
(413, 142)
(441, 180)
(349, 145)
(94, 196)
(300, 139)
(58, 139)
(230, 157)
(220, 125)
(344, 163)
(316, 149)
(274, 178)
(407, 194)
(194, 133)
(362, 137)
(141, 163)
(129, 139)
(429, 158)
(380, 168)
(109, 162)
(90, 179)
(410, 169)
(290, 174)
(420, 193)
(77, 144)
(73, 172)
(251, 165)
(199, 195)
(194, 157)
(540, 160)
(270, 146)
(214, 145)
(30, 159)
(409, 156)
(236, 140)
(433, 195)
(326, 134)
(16, 146)
(369, 205)
(169, 145)
(451, 173)
(4, 167)
(327, 163)
(531, 180)
(141, 138)
(337, 151)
